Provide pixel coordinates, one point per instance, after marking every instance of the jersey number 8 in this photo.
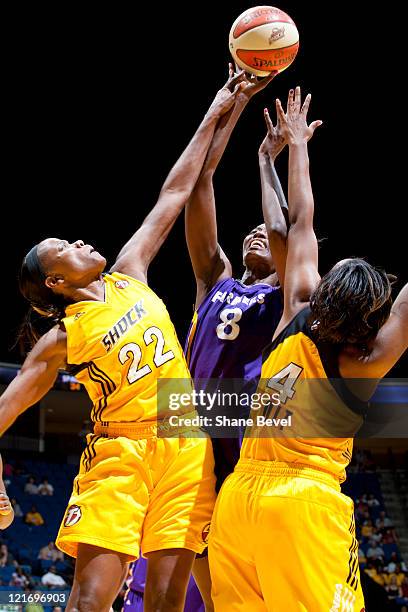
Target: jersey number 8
(229, 323)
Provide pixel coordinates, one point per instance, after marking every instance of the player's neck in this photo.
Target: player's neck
(252, 277)
(94, 291)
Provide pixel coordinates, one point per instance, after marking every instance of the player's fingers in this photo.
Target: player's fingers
(315, 125)
(237, 77)
(279, 111)
(261, 83)
(268, 121)
(238, 88)
(306, 104)
(298, 99)
(230, 70)
(289, 105)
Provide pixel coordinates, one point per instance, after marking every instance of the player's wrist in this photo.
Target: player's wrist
(297, 143)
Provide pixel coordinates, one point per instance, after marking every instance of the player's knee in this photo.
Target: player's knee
(170, 600)
(92, 601)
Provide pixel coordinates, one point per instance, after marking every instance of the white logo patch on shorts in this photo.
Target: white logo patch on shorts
(74, 515)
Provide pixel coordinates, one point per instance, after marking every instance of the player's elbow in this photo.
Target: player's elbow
(176, 193)
(277, 231)
(301, 214)
(301, 223)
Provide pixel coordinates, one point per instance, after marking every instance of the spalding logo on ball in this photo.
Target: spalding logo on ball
(263, 39)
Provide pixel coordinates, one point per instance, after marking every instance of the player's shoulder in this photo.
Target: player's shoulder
(120, 280)
(55, 338)
(51, 346)
(299, 322)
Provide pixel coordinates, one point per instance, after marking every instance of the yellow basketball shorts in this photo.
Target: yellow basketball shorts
(149, 494)
(283, 539)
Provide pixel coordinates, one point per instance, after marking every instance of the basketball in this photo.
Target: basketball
(263, 39)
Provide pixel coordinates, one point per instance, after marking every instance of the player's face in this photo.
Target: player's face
(70, 261)
(255, 250)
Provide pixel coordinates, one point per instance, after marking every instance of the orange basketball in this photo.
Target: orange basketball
(263, 39)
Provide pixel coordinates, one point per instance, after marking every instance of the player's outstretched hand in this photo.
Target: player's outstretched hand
(253, 84)
(293, 124)
(227, 95)
(274, 141)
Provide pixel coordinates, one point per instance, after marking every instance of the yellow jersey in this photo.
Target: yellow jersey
(311, 415)
(121, 347)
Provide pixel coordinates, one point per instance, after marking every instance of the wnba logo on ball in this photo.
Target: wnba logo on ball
(73, 516)
(276, 34)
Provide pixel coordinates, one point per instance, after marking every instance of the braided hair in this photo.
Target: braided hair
(351, 303)
(46, 307)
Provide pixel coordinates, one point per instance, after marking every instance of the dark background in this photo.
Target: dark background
(99, 104)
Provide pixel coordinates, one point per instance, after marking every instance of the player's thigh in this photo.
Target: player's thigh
(306, 554)
(235, 584)
(182, 501)
(112, 488)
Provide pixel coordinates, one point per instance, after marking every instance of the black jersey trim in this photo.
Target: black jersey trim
(296, 325)
(329, 356)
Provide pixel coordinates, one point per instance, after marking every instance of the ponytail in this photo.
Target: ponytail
(46, 307)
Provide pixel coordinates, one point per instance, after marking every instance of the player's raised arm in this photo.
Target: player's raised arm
(36, 377)
(301, 275)
(137, 254)
(274, 205)
(390, 343)
(210, 264)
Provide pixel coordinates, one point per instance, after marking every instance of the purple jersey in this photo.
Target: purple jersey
(230, 329)
(224, 348)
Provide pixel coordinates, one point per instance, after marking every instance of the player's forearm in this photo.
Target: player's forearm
(24, 391)
(273, 216)
(177, 189)
(9, 411)
(301, 203)
(201, 228)
(201, 218)
(271, 203)
(278, 188)
(185, 172)
(222, 135)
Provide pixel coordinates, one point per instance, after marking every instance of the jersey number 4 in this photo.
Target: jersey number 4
(133, 352)
(284, 381)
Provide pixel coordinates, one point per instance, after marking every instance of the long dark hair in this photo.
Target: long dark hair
(351, 303)
(46, 307)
